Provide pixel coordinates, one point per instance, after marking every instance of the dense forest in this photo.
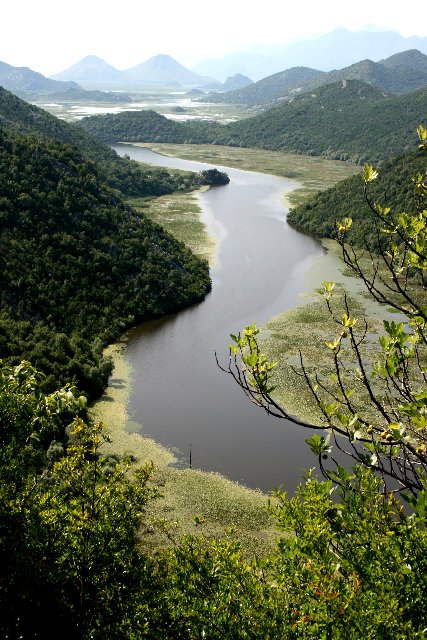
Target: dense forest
(77, 265)
(347, 120)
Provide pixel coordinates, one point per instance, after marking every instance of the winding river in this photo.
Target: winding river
(179, 396)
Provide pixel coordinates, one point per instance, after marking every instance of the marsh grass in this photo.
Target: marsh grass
(312, 172)
(308, 327)
(180, 214)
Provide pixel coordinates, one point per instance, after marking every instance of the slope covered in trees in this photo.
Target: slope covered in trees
(119, 173)
(346, 199)
(77, 265)
(348, 120)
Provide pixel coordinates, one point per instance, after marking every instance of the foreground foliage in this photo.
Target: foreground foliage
(349, 562)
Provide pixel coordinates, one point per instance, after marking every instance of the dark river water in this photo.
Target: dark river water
(179, 396)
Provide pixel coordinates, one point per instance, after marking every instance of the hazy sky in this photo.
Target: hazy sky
(51, 35)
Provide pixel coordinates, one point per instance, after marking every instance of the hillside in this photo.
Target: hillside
(268, 90)
(348, 120)
(77, 265)
(399, 74)
(24, 81)
(393, 188)
(119, 173)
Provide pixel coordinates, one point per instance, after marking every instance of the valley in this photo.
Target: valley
(213, 426)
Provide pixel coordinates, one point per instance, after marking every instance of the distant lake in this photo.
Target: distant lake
(179, 395)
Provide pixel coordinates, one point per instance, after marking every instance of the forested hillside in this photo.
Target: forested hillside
(393, 188)
(268, 90)
(77, 265)
(348, 120)
(122, 174)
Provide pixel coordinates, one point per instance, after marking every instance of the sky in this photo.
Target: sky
(51, 35)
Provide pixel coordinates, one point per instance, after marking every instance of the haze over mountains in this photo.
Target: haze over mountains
(305, 61)
(160, 70)
(337, 49)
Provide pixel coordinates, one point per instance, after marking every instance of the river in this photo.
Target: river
(179, 396)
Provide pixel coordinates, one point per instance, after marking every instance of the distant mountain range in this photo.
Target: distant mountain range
(160, 70)
(340, 47)
(27, 84)
(399, 74)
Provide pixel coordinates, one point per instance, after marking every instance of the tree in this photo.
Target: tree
(375, 398)
(69, 519)
(213, 177)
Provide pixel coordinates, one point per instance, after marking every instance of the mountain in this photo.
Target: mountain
(238, 81)
(89, 69)
(161, 70)
(270, 89)
(401, 73)
(24, 81)
(319, 53)
(346, 120)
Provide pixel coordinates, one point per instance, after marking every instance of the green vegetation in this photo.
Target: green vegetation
(78, 266)
(81, 555)
(347, 120)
